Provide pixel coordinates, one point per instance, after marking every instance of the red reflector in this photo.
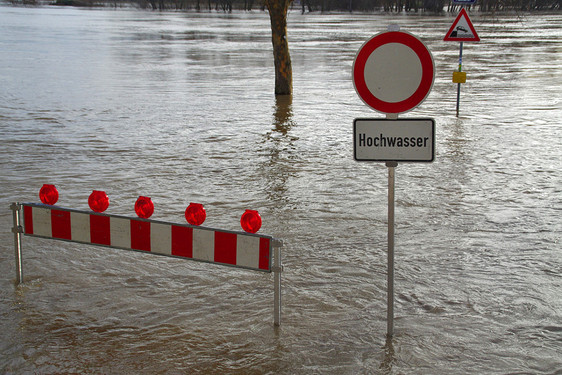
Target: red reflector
(49, 194)
(195, 214)
(98, 201)
(144, 207)
(250, 221)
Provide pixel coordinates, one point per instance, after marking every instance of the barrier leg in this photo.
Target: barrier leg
(277, 269)
(17, 230)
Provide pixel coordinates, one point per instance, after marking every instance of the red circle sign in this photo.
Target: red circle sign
(393, 72)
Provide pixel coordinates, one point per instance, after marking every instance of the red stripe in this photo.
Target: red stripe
(99, 230)
(182, 241)
(60, 224)
(264, 254)
(225, 248)
(140, 235)
(28, 219)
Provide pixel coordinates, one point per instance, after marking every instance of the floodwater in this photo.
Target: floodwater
(180, 107)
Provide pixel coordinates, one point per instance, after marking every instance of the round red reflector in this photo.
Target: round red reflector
(49, 194)
(250, 221)
(144, 207)
(98, 201)
(195, 214)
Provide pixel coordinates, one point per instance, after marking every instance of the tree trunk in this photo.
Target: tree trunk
(283, 71)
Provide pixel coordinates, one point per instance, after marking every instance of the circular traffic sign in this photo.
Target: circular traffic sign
(393, 72)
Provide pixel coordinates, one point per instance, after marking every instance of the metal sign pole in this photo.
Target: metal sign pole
(458, 84)
(390, 273)
(17, 229)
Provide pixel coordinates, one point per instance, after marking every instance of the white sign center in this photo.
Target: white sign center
(393, 72)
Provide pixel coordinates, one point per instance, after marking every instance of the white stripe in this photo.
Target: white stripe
(161, 238)
(42, 221)
(80, 227)
(204, 244)
(120, 232)
(247, 251)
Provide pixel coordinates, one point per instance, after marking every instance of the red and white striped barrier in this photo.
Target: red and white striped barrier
(237, 249)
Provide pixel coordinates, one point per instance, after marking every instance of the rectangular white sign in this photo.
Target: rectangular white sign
(405, 140)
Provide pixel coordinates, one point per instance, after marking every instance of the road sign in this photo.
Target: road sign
(464, 2)
(393, 72)
(407, 140)
(462, 30)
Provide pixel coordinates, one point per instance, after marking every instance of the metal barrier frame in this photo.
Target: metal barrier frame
(276, 244)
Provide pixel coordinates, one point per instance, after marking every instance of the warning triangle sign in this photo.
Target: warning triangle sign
(462, 30)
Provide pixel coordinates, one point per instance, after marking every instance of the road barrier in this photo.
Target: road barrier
(236, 249)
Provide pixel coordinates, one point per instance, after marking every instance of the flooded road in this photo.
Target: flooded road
(180, 107)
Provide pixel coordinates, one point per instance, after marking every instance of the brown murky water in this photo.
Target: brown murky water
(180, 107)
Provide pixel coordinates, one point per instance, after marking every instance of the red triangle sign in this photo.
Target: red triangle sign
(462, 30)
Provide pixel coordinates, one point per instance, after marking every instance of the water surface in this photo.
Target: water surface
(180, 107)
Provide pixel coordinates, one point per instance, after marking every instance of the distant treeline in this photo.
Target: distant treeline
(315, 5)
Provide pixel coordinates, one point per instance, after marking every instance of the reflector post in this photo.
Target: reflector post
(250, 221)
(98, 201)
(195, 214)
(144, 207)
(49, 194)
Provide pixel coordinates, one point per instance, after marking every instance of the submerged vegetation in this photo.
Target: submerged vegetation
(314, 5)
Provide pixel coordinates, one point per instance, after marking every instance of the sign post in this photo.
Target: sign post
(461, 31)
(391, 165)
(393, 73)
(459, 78)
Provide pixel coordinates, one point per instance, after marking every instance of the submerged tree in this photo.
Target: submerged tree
(283, 70)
